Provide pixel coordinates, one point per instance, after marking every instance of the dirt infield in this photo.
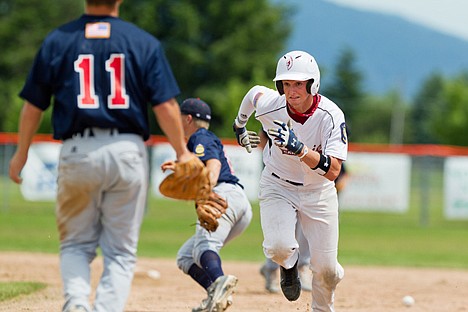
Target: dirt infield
(373, 289)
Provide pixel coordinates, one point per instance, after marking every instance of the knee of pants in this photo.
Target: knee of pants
(184, 263)
(329, 276)
(280, 254)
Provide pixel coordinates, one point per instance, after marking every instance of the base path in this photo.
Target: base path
(372, 289)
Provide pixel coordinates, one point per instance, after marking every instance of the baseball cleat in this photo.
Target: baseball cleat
(223, 288)
(290, 283)
(228, 302)
(271, 279)
(305, 275)
(219, 295)
(203, 307)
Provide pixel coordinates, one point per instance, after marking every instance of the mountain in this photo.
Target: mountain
(391, 52)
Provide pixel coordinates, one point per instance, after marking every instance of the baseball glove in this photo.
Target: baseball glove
(210, 210)
(190, 180)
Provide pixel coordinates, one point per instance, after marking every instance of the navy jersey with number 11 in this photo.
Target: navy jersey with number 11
(104, 72)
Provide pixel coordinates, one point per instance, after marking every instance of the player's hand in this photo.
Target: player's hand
(284, 136)
(245, 138)
(168, 165)
(16, 165)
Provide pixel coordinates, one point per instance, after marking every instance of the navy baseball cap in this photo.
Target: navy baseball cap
(197, 108)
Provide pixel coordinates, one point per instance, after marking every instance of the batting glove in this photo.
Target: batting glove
(247, 139)
(284, 136)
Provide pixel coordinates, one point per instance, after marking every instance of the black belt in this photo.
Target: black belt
(290, 182)
(233, 183)
(89, 132)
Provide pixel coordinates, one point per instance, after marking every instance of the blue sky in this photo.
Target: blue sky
(447, 16)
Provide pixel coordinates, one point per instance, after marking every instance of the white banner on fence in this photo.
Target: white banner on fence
(40, 172)
(377, 182)
(247, 167)
(160, 153)
(456, 187)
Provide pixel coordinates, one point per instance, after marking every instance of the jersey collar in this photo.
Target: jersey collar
(302, 117)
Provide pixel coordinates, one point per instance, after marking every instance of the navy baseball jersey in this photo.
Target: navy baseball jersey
(206, 145)
(106, 81)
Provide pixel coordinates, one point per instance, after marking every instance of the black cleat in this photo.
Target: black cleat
(290, 283)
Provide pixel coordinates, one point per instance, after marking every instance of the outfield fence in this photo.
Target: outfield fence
(430, 180)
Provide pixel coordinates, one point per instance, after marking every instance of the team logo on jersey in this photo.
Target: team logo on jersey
(344, 133)
(316, 148)
(285, 151)
(289, 63)
(99, 30)
(200, 150)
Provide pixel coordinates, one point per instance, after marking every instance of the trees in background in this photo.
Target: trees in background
(437, 115)
(440, 111)
(369, 118)
(217, 49)
(450, 124)
(346, 88)
(23, 26)
(425, 105)
(220, 49)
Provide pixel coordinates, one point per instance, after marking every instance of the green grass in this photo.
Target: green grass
(365, 238)
(13, 289)
(386, 239)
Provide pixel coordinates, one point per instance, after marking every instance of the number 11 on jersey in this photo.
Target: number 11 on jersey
(115, 65)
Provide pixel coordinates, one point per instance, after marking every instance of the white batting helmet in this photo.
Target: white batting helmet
(300, 66)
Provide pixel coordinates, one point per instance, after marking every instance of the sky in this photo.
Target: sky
(447, 16)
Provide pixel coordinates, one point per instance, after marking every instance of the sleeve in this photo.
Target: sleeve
(37, 89)
(203, 146)
(335, 137)
(161, 81)
(248, 106)
(210, 150)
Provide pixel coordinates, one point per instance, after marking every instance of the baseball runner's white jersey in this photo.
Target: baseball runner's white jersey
(291, 192)
(318, 133)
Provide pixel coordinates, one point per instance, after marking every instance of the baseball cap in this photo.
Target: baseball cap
(197, 108)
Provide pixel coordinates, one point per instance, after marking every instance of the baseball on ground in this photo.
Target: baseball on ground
(408, 301)
(154, 274)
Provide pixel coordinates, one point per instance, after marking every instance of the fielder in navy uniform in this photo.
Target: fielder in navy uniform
(102, 74)
(199, 255)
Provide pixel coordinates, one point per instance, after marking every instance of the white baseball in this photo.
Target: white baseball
(153, 274)
(408, 301)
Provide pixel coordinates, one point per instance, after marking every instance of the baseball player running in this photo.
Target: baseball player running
(102, 72)
(199, 255)
(308, 143)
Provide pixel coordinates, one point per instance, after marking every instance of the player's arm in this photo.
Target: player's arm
(321, 163)
(247, 139)
(247, 107)
(214, 167)
(168, 117)
(327, 166)
(263, 138)
(30, 119)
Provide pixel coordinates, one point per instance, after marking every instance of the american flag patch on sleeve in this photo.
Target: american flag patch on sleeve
(100, 30)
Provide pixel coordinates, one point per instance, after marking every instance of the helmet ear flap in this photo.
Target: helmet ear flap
(309, 86)
(279, 87)
(312, 87)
